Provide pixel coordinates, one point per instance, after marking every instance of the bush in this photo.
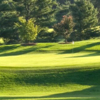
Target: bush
(28, 31)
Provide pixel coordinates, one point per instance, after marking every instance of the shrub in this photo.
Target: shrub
(28, 31)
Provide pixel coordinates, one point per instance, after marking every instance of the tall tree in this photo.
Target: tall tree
(41, 10)
(62, 9)
(85, 15)
(65, 27)
(8, 16)
(97, 5)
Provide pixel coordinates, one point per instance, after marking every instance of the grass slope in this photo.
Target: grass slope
(50, 71)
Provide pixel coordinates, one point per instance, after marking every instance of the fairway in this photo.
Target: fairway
(50, 71)
(51, 60)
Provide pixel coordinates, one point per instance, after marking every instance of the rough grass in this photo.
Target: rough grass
(50, 71)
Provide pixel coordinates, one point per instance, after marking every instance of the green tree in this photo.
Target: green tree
(41, 10)
(85, 16)
(28, 31)
(8, 16)
(63, 1)
(65, 27)
(62, 9)
(97, 5)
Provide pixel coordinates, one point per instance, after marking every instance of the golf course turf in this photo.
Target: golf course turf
(50, 71)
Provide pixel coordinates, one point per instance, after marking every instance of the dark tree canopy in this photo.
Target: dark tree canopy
(8, 17)
(41, 10)
(46, 13)
(63, 9)
(97, 5)
(85, 15)
(65, 27)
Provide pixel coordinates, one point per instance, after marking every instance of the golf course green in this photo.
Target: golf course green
(50, 71)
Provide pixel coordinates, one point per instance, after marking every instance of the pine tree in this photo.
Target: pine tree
(41, 10)
(8, 16)
(62, 9)
(97, 5)
(85, 16)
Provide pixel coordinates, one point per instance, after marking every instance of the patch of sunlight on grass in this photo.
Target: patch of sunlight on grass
(42, 90)
(50, 60)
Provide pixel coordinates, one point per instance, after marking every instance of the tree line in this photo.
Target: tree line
(28, 20)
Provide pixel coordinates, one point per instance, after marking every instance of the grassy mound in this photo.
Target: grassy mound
(50, 71)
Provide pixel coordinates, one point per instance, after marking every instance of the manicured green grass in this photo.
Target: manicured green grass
(50, 71)
(85, 53)
(52, 84)
(51, 60)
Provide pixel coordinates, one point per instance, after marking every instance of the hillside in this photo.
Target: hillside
(50, 71)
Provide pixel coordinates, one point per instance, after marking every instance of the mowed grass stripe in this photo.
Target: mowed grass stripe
(51, 83)
(50, 60)
(50, 71)
(85, 53)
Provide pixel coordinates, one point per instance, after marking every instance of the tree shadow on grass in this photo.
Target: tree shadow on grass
(82, 48)
(53, 76)
(43, 98)
(91, 53)
(23, 51)
(8, 48)
(86, 94)
(92, 92)
(79, 76)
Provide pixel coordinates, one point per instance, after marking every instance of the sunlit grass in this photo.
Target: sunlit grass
(51, 60)
(50, 71)
(85, 53)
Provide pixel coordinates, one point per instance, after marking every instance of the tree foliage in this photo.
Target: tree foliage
(27, 29)
(93, 32)
(62, 9)
(41, 10)
(97, 5)
(85, 15)
(46, 13)
(8, 16)
(65, 27)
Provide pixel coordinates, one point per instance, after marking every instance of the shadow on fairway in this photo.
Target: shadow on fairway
(80, 76)
(41, 50)
(91, 53)
(42, 98)
(77, 95)
(23, 51)
(8, 48)
(90, 92)
(83, 48)
(52, 76)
